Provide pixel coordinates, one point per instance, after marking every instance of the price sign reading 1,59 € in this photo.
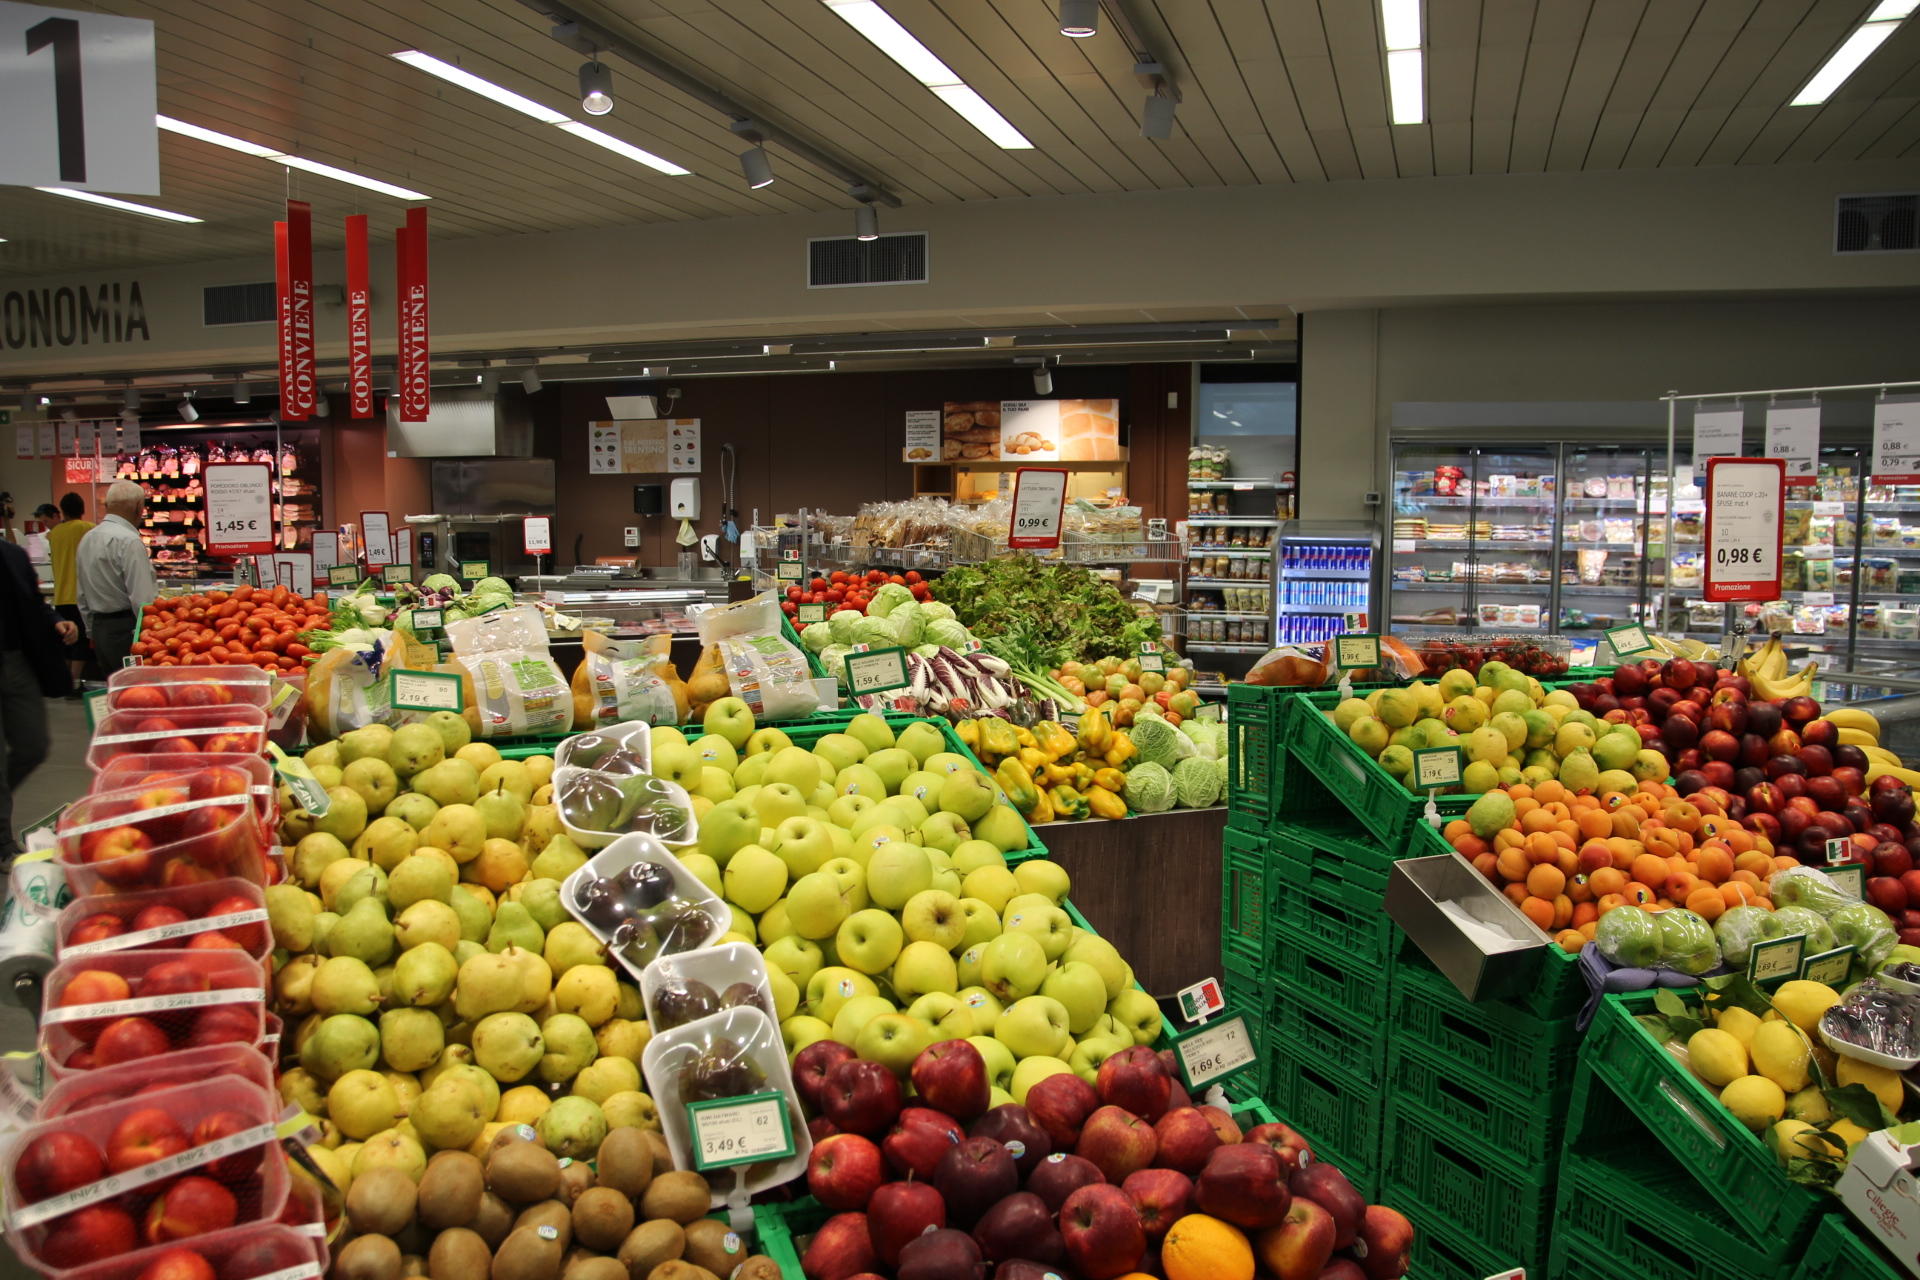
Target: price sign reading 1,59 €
(746, 1130)
(1039, 498)
(239, 508)
(1746, 511)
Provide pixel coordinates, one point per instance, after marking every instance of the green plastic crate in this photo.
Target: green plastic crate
(1439, 1252)
(1722, 1154)
(1340, 906)
(1246, 901)
(1495, 1041)
(1255, 757)
(792, 637)
(1840, 1250)
(1508, 1209)
(1330, 838)
(1348, 985)
(1504, 1117)
(1338, 1113)
(1356, 1046)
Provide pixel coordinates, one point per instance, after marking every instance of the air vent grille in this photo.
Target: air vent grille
(237, 304)
(844, 262)
(1875, 224)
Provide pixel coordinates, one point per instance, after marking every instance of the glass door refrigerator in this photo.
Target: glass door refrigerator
(1603, 535)
(1326, 580)
(1473, 538)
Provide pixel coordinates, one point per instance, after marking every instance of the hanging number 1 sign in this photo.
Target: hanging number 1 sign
(1039, 501)
(1746, 514)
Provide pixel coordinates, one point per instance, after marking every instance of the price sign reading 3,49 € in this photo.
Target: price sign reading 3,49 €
(239, 508)
(746, 1130)
(1746, 511)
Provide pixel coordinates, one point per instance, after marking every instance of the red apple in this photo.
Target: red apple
(1020, 1226)
(1287, 1142)
(1343, 1268)
(1243, 1184)
(1161, 1197)
(840, 1249)
(951, 1076)
(1009, 1125)
(810, 1067)
(1327, 1187)
(1102, 1232)
(1887, 893)
(125, 1039)
(1137, 1080)
(1060, 1104)
(899, 1212)
(917, 1141)
(972, 1177)
(1388, 1239)
(1225, 1127)
(844, 1171)
(1891, 858)
(1118, 1142)
(54, 1163)
(192, 1206)
(940, 1255)
(157, 916)
(862, 1097)
(88, 1234)
(819, 1129)
(178, 1264)
(1299, 1247)
(142, 1137)
(96, 928)
(1061, 1174)
(1184, 1139)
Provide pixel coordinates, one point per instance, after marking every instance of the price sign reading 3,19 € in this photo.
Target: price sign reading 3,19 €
(1746, 511)
(239, 508)
(1039, 498)
(747, 1130)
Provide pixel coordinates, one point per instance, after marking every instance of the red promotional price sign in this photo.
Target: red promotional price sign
(538, 533)
(1746, 514)
(1039, 499)
(359, 321)
(239, 508)
(299, 396)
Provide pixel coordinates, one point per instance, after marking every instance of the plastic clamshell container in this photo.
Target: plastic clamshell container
(215, 686)
(256, 1251)
(237, 727)
(240, 1151)
(193, 998)
(634, 735)
(122, 772)
(620, 855)
(719, 967)
(1873, 1057)
(668, 1053)
(108, 1085)
(248, 929)
(161, 836)
(680, 833)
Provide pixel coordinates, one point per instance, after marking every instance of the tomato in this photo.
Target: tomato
(837, 594)
(818, 584)
(913, 577)
(297, 650)
(838, 577)
(897, 580)
(789, 608)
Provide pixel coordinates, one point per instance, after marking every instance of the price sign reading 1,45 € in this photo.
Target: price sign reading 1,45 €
(239, 508)
(747, 1130)
(1039, 498)
(1746, 510)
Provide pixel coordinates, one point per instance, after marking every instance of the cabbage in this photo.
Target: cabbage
(842, 621)
(1159, 742)
(908, 622)
(834, 659)
(877, 632)
(1149, 789)
(889, 597)
(440, 582)
(945, 631)
(817, 636)
(937, 610)
(1220, 767)
(492, 587)
(1196, 782)
(1209, 738)
(927, 650)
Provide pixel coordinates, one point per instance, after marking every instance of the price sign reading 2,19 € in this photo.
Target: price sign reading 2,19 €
(1039, 499)
(239, 508)
(746, 1130)
(1746, 515)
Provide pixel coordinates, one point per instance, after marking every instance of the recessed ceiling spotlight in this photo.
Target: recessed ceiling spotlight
(596, 88)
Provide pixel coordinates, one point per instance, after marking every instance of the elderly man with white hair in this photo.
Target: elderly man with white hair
(115, 575)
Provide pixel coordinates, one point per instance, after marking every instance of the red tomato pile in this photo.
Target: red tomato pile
(255, 626)
(843, 590)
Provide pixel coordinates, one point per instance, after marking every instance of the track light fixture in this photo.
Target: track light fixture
(131, 399)
(753, 161)
(866, 223)
(129, 418)
(68, 415)
(1043, 380)
(596, 88)
(187, 412)
(530, 381)
(1079, 18)
(1156, 117)
(242, 391)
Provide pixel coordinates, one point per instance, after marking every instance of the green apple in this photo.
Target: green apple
(896, 872)
(853, 881)
(1091, 1051)
(803, 843)
(1107, 1027)
(1002, 828)
(1079, 989)
(706, 871)
(922, 739)
(1137, 1011)
(893, 765)
(755, 878)
(1011, 966)
(874, 815)
(802, 1030)
(839, 750)
(816, 907)
(1031, 1072)
(716, 784)
(795, 766)
(1021, 901)
(980, 923)
(923, 786)
(907, 812)
(845, 810)
(676, 762)
(974, 854)
(749, 772)
(819, 799)
(1091, 949)
(940, 859)
(932, 916)
(777, 801)
(998, 1097)
(1037, 875)
(833, 985)
(855, 1014)
(948, 762)
(969, 964)
(745, 792)
(717, 752)
(922, 967)
(870, 731)
(858, 780)
(1048, 925)
(844, 847)
(966, 793)
(946, 880)
(947, 1014)
(764, 741)
(730, 719)
(1034, 1027)
(999, 1059)
(984, 1007)
(869, 940)
(943, 831)
(796, 958)
(774, 925)
(786, 995)
(993, 885)
(728, 826)
(894, 1040)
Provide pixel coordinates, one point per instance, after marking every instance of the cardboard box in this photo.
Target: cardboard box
(1880, 1188)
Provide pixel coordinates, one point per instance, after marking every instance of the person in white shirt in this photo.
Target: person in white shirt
(115, 575)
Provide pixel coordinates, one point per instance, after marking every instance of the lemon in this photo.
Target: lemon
(1810, 1104)
(1755, 1101)
(1739, 1023)
(1717, 1057)
(1793, 1139)
(1347, 712)
(1884, 1084)
(1801, 1002)
(1848, 1132)
(1780, 1053)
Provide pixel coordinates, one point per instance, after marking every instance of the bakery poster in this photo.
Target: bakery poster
(644, 446)
(1031, 431)
(970, 431)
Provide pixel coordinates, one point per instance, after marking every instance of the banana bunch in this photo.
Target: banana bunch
(1766, 669)
(1858, 728)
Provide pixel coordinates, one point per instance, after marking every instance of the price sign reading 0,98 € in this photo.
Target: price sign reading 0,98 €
(239, 508)
(1746, 513)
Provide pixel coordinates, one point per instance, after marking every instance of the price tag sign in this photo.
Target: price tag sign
(326, 547)
(731, 1131)
(1630, 640)
(1436, 768)
(377, 537)
(96, 703)
(812, 613)
(1716, 433)
(266, 572)
(396, 573)
(1793, 437)
(789, 571)
(423, 691)
(428, 620)
(537, 534)
(1776, 957)
(1352, 653)
(239, 508)
(1746, 513)
(1896, 440)
(1221, 1048)
(1829, 967)
(1850, 880)
(1151, 658)
(474, 570)
(1201, 1000)
(1039, 500)
(1817, 599)
(877, 671)
(343, 575)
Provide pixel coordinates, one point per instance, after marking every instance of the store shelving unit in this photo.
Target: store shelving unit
(1326, 580)
(1233, 527)
(1473, 538)
(169, 465)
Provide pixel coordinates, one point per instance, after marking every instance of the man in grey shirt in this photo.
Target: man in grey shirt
(115, 575)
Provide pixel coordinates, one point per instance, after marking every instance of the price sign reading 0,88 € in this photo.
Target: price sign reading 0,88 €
(239, 508)
(1746, 512)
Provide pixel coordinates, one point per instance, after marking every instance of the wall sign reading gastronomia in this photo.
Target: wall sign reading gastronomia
(73, 316)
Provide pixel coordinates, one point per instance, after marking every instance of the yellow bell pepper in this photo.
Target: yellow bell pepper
(1120, 750)
(1110, 780)
(1042, 810)
(1082, 776)
(969, 733)
(1017, 782)
(1068, 803)
(1105, 804)
(1034, 758)
(1054, 774)
(997, 737)
(1054, 740)
(1095, 733)
(1025, 737)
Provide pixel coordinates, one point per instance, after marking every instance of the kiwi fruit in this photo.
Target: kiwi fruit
(367, 1258)
(652, 1243)
(412, 1264)
(450, 1190)
(595, 1268)
(575, 1176)
(458, 1254)
(510, 1134)
(626, 1161)
(758, 1267)
(493, 1221)
(662, 1153)
(529, 1254)
(381, 1202)
(679, 1195)
(602, 1217)
(548, 1213)
(678, 1270)
(523, 1173)
(714, 1245)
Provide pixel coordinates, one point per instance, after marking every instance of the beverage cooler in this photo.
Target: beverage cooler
(1326, 580)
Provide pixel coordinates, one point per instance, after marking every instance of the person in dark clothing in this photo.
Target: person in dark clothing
(33, 668)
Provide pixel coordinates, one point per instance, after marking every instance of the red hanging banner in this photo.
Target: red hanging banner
(359, 321)
(283, 318)
(297, 398)
(416, 384)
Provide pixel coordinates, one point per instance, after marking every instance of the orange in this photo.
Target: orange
(1202, 1248)
(1545, 881)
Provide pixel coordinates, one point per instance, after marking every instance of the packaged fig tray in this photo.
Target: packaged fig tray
(636, 897)
(101, 1011)
(204, 827)
(604, 788)
(736, 1053)
(152, 1170)
(227, 914)
(691, 985)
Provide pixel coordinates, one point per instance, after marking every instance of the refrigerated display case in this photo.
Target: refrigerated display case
(1326, 580)
(1473, 538)
(1602, 538)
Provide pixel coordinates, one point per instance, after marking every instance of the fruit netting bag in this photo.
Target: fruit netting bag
(510, 686)
(763, 668)
(627, 680)
(1805, 887)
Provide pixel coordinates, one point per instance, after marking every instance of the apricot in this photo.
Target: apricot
(1713, 864)
(1583, 912)
(1607, 880)
(1650, 869)
(1455, 829)
(1545, 881)
(1679, 885)
(1562, 911)
(1539, 911)
(1594, 824)
(1486, 864)
(1639, 894)
(1541, 848)
(1516, 892)
(1753, 860)
(1706, 902)
(1570, 941)
(1512, 864)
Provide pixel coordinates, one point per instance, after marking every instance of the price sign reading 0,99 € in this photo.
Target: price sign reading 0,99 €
(1746, 511)
(1039, 499)
(239, 508)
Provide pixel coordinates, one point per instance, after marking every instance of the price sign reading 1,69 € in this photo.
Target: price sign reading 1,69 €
(1039, 498)
(1746, 511)
(1217, 1049)
(239, 508)
(747, 1130)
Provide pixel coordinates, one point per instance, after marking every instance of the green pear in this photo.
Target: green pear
(423, 975)
(604, 1077)
(507, 1045)
(369, 742)
(449, 782)
(323, 922)
(572, 944)
(327, 753)
(476, 917)
(362, 1103)
(415, 747)
(290, 916)
(427, 921)
(299, 1088)
(536, 978)
(510, 776)
(363, 933)
(573, 1128)
(559, 858)
(622, 1038)
(448, 1116)
(410, 1039)
(314, 853)
(386, 841)
(567, 1047)
(374, 780)
(345, 985)
(513, 926)
(487, 984)
(503, 813)
(383, 976)
(589, 990)
(466, 950)
(462, 1066)
(459, 830)
(341, 1043)
(543, 824)
(419, 878)
(390, 1149)
(453, 729)
(414, 809)
(368, 882)
(541, 897)
(293, 984)
(346, 815)
(631, 1109)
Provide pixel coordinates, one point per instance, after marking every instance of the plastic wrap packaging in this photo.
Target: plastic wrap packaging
(122, 1006)
(161, 835)
(510, 685)
(763, 668)
(627, 680)
(604, 788)
(636, 897)
(683, 988)
(917, 522)
(237, 727)
(179, 918)
(1805, 887)
(1738, 928)
(107, 1085)
(1866, 929)
(1875, 1024)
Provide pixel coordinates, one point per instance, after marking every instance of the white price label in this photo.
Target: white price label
(1435, 768)
(1215, 1050)
(1776, 957)
(1793, 436)
(403, 546)
(326, 548)
(1817, 599)
(1716, 433)
(736, 1131)
(537, 533)
(1745, 506)
(154, 1004)
(1629, 640)
(1039, 499)
(239, 507)
(1896, 440)
(69, 438)
(294, 569)
(376, 537)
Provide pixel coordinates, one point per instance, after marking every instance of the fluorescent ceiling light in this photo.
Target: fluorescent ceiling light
(1846, 60)
(1892, 10)
(1400, 23)
(588, 133)
(1405, 87)
(485, 88)
(217, 139)
(351, 178)
(918, 61)
(126, 206)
